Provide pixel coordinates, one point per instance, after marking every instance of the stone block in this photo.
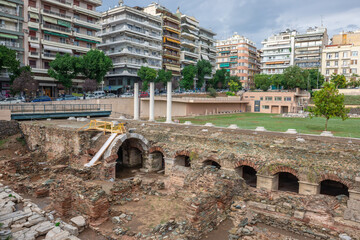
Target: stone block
(299, 214)
(44, 227)
(306, 188)
(79, 221)
(71, 229)
(267, 182)
(353, 204)
(257, 205)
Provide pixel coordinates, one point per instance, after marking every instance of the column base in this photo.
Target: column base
(270, 183)
(306, 188)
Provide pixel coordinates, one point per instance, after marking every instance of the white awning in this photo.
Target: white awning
(55, 49)
(205, 57)
(34, 45)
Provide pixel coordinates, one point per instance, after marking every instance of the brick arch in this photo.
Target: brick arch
(334, 177)
(248, 163)
(182, 153)
(286, 169)
(157, 149)
(211, 158)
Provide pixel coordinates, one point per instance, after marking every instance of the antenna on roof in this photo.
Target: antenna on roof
(322, 20)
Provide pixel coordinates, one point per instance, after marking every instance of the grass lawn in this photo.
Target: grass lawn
(274, 122)
(352, 100)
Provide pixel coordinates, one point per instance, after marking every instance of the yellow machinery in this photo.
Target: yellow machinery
(104, 127)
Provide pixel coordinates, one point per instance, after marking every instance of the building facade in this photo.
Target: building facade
(347, 38)
(131, 38)
(58, 26)
(308, 47)
(278, 52)
(239, 56)
(171, 44)
(207, 45)
(340, 59)
(11, 35)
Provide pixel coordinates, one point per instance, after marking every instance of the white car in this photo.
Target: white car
(99, 94)
(127, 95)
(90, 96)
(11, 101)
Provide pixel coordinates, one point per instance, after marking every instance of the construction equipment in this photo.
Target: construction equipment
(104, 127)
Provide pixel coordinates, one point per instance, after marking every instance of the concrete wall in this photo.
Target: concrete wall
(178, 109)
(5, 115)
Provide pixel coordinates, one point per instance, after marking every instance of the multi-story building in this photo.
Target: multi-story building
(58, 26)
(170, 36)
(239, 55)
(347, 38)
(308, 47)
(278, 52)
(340, 59)
(11, 34)
(131, 38)
(207, 45)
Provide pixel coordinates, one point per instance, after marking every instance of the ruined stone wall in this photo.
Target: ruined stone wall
(8, 128)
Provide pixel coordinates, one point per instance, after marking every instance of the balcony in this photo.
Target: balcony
(33, 39)
(10, 44)
(192, 54)
(65, 45)
(207, 37)
(133, 30)
(55, 28)
(56, 15)
(61, 3)
(48, 56)
(189, 35)
(87, 11)
(125, 51)
(96, 2)
(34, 55)
(93, 38)
(172, 55)
(9, 11)
(185, 42)
(123, 18)
(89, 24)
(34, 25)
(10, 28)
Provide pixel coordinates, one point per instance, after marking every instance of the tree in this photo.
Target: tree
(203, 68)
(25, 83)
(16, 72)
(315, 78)
(188, 75)
(147, 75)
(234, 86)
(277, 80)
(95, 64)
(338, 80)
(220, 79)
(294, 78)
(328, 104)
(8, 58)
(64, 69)
(89, 85)
(262, 81)
(163, 76)
(354, 82)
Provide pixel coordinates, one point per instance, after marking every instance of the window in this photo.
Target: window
(47, 7)
(353, 62)
(329, 56)
(252, 96)
(278, 98)
(336, 63)
(76, 29)
(89, 33)
(261, 98)
(62, 40)
(32, 63)
(47, 37)
(268, 98)
(89, 45)
(344, 71)
(328, 63)
(77, 16)
(345, 54)
(89, 7)
(327, 72)
(287, 99)
(354, 53)
(265, 107)
(336, 55)
(76, 43)
(76, 3)
(353, 70)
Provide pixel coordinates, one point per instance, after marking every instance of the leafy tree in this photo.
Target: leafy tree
(89, 85)
(294, 78)
(219, 79)
(354, 82)
(328, 104)
(25, 83)
(204, 68)
(338, 80)
(212, 92)
(277, 80)
(315, 78)
(95, 64)
(8, 58)
(163, 76)
(234, 84)
(16, 72)
(147, 75)
(262, 81)
(64, 69)
(188, 75)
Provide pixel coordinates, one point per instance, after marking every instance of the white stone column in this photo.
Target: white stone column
(169, 102)
(136, 101)
(152, 100)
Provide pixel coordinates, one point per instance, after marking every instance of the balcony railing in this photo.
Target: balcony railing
(61, 1)
(49, 55)
(62, 29)
(57, 14)
(11, 28)
(33, 38)
(9, 11)
(10, 44)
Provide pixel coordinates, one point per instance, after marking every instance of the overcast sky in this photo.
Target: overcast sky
(258, 19)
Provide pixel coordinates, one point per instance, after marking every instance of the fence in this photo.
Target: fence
(55, 108)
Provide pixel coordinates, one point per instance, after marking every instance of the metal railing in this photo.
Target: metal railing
(55, 108)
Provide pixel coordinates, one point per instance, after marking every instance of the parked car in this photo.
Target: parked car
(128, 94)
(42, 99)
(99, 94)
(90, 96)
(11, 101)
(144, 94)
(110, 95)
(67, 97)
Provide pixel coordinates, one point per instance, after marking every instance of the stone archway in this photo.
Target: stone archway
(213, 163)
(182, 158)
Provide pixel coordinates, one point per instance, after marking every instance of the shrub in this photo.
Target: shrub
(230, 94)
(212, 92)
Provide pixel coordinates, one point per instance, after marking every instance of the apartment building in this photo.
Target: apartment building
(11, 35)
(190, 49)
(347, 38)
(58, 26)
(278, 52)
(238, 55)
(340, 59)
(308, 47)
(207, 45)
(131, 38)
(170, 38)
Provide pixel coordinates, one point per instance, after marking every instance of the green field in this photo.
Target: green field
(274, 122)
(352, 100)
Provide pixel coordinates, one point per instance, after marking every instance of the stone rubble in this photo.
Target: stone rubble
(23, 220)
